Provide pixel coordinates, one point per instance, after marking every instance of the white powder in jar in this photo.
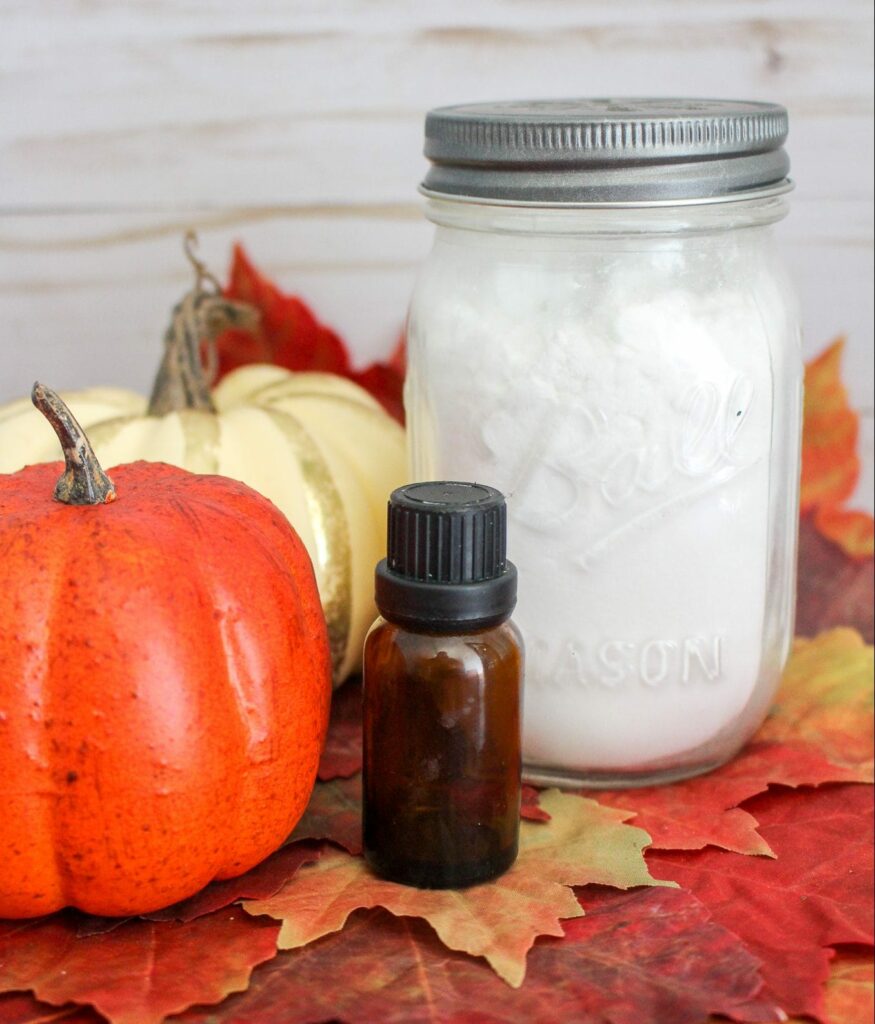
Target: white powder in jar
(623, 402)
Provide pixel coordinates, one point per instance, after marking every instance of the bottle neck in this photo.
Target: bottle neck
(430, 607)
(691, 218)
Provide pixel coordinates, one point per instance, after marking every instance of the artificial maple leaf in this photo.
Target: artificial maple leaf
(850, 992)
(581, 843)
(849, 997)
(819, 730)
(825, 703)
(342, 754)
(832, 589)
(289, 335)
(830, 463)
(852, 530)
(21, 1008)
(695, 813)
(386, 380)
(651, 956)
(386, 385)
(788, 911)
(334, 813)
(141, 971)
(258, 883)
(530, 807)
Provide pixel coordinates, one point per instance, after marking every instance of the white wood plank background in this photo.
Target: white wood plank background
(296, 127)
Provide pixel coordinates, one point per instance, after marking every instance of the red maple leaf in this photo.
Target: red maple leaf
(289, 335)
(789, 911)
(530, 809)
(259, 883)
(334, 813)
(850, 991)
(22, 1008)
(819, 730)
(342, 754)
(140, 972)
(643, 957)
(833, 589)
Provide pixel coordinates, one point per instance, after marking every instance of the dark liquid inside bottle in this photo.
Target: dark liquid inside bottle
(442, 754)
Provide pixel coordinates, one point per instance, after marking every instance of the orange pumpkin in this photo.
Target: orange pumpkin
(164, 682)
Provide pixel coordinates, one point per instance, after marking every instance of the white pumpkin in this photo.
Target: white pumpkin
(318, 445)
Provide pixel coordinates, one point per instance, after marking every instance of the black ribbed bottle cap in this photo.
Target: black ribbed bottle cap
(446, 564)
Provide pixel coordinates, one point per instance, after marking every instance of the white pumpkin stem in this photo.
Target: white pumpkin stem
(183, 381)
(83, 481)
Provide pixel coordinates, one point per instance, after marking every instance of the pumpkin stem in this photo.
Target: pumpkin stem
(83, 481)
(183, 380)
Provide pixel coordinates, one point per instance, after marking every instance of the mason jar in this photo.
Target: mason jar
(605, 332)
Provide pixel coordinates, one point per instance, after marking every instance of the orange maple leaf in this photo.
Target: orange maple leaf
(830, 463)
(849, 991)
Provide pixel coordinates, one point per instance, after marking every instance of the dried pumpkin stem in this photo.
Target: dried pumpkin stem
(183, 381)
(83, 481)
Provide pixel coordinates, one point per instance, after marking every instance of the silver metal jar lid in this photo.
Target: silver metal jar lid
(618, 152)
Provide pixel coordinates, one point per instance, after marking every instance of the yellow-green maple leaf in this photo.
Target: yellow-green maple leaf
(582, 843)
(826, 702)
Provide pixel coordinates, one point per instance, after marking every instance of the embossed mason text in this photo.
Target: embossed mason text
(653, 663)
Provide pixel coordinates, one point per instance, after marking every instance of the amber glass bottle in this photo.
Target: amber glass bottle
(442, 691)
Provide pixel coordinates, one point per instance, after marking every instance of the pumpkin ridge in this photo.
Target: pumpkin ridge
(56, 604)
(57, 599)
(105, 431)
(216, 601)
(57, 610)
(201, 437)
(355, 467)
(328, 515)
(264, 394)
(231, 820)
(72, 398)
(277, 562)
(111, 396)
(15, 408)
(375, 411)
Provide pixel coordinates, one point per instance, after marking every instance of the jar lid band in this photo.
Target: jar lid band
(600, 152)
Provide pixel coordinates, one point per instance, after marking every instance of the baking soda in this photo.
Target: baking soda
(623, 401)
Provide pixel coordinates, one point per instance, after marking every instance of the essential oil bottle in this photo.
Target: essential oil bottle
(443, 671)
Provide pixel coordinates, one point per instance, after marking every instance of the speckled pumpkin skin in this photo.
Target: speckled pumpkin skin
(164, 689)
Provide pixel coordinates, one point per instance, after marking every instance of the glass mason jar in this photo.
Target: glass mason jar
(604, 331)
